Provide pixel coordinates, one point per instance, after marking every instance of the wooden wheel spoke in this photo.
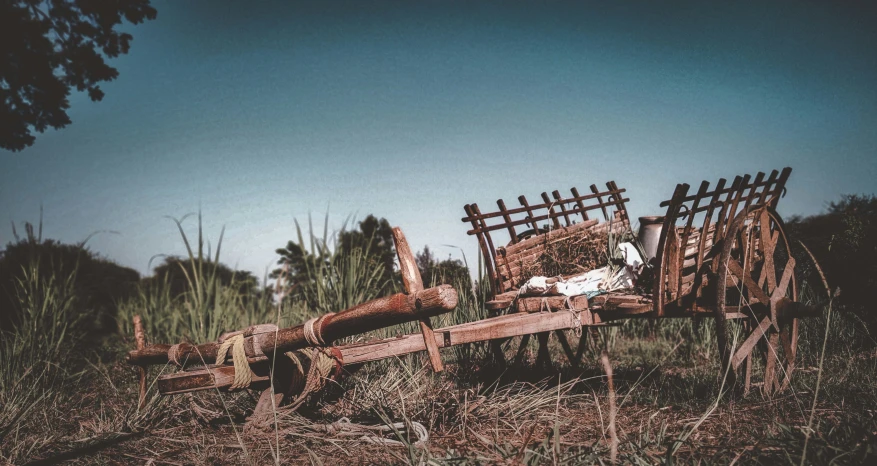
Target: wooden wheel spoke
(768, 245)
(567, 349)
(757, 273)
(786, 336)
(770, 379)
(783, 286)
(754, 290)
(522, 348)
(749, 344)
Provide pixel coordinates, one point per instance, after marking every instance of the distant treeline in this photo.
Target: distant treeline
(100, 284)
(843, 239)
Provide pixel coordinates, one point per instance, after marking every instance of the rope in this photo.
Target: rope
(242, 373)
(312, 331)
(173, 355)
(543, 305)
(375, 434)
(323, 362)
(576, 316)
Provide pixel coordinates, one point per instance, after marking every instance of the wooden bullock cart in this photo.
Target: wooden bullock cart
(722, 253)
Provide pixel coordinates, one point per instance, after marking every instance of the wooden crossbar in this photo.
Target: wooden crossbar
(575, 199)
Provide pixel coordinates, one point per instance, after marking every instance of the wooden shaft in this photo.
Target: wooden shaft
(496, 329)
(413, 283)
(366, 317)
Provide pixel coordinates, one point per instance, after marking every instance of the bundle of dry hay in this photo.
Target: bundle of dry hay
(572, 255)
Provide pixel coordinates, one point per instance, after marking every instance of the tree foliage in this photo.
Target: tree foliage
(438, 272)
(48, 47)
(844, 241)
(374, 237)
(177, 275)
(99, 284)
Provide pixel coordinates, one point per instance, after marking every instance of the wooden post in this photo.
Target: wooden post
(413, 283)
(140, 339)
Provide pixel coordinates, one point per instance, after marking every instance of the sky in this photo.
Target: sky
(263, 113)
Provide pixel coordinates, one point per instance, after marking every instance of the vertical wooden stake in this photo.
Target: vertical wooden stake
(413, 284)
(140, 339)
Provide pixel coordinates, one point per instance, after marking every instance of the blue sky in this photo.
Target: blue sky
(263, 113)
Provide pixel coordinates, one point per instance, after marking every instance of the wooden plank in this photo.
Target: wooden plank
(506, 218)
(512, 325)
(753, 191)
(213, 377)
(731, 189)
(489, 258)
(746, 348)
(600, 200)
(687, 232)
(539, 303)
(631, 309)
(489, 329)
(413, 284)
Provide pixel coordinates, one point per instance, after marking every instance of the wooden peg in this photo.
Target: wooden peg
(413, 284)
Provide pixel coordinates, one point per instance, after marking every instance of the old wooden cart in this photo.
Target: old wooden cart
(722, 253)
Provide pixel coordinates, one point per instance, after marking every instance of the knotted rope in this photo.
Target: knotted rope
(243, 375)
(323, 362)
(312, 330)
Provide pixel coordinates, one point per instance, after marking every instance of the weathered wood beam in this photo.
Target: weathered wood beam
(366, 317)
(506, 326)
(413, 284)
(746, 348)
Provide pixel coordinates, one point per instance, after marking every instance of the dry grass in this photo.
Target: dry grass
(573, 255)
(486, 416)
(670, 406)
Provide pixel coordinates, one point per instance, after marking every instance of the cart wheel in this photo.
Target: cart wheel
(756, 281)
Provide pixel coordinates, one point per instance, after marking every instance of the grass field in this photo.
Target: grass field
(62, 399)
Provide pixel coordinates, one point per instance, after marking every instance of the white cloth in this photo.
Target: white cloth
(591, 283)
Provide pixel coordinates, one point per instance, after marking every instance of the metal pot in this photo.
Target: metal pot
(649, 234)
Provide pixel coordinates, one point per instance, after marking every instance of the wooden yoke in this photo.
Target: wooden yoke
(413, 283)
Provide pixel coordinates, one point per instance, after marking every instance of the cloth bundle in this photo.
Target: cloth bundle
(591, 283)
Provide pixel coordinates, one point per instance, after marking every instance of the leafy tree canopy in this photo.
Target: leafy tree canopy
(374, 237)
(49, 46)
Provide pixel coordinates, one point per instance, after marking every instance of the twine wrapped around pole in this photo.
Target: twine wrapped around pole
(243, 375)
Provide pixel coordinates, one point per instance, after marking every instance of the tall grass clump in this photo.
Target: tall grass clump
(332, 278)
(35, 355)
(204, 309)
